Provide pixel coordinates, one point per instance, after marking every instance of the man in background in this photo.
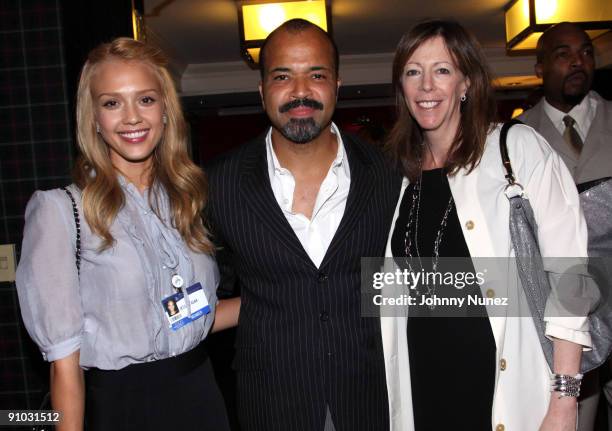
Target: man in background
(575, 120)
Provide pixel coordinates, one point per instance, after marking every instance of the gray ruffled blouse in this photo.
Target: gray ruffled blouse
(112, 312)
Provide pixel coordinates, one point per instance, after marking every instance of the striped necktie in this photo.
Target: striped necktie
(571, 136)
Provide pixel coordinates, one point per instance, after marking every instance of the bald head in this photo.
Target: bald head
(550, 36)
(566, 63)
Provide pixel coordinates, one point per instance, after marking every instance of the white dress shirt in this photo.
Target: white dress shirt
(315, 234)
(583, 114)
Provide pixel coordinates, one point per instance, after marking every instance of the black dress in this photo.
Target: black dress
(452, 359)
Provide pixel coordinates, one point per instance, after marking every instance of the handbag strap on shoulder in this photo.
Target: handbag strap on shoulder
(503, 147)
(77, 223)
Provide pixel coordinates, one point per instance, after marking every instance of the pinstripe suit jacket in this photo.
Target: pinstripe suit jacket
(302, 345)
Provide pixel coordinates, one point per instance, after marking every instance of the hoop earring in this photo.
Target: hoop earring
(165, 119)
(463, 98)
(97, 128)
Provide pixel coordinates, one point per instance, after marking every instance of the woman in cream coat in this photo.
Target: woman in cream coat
(446, 114)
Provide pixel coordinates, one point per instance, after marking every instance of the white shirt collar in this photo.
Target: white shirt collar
(583, 114)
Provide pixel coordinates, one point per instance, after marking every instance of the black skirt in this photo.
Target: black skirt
(173, 393)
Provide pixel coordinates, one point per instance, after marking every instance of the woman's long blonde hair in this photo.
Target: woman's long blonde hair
(172, 169)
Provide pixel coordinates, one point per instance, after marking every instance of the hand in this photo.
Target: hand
(226, 314)
(561, 414)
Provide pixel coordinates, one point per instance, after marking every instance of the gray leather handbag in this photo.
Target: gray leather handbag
(597, 206)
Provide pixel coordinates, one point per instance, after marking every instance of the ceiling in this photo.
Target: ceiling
(202, 38)
(206, 31)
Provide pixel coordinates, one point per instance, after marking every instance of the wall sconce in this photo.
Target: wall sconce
(138, 27)
(258, 18)
(526, 20)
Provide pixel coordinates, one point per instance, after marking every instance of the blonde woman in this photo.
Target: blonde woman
(95, 278)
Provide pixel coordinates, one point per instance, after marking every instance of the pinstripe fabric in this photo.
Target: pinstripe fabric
(301, 342)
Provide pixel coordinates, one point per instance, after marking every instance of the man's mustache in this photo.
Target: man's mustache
(578, 72)
(309, 103)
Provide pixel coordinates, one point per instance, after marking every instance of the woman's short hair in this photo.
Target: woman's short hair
(478, 112)
(94, 173)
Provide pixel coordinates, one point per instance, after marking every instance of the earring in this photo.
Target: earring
(165, 119)
(463, 98)
(97, 128)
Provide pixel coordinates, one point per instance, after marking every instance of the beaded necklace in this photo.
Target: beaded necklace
(413, 221)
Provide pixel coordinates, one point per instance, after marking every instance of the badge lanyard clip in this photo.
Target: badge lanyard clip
(177, 283)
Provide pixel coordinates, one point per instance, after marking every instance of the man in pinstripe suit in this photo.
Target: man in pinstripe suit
(293, 212)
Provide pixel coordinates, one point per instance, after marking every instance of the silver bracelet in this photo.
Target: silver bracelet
(566, 385)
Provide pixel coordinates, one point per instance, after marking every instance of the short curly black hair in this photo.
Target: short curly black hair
(297, 25)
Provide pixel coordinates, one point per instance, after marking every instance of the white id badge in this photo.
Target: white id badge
(175, 306)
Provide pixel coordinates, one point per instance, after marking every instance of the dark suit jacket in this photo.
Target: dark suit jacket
(595, 160)
(302, 345)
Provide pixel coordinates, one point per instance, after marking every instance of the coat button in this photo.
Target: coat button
(490, 293)
(500, 427)
(502, 364)
(469, 225)
(324, 316)
(322, 277)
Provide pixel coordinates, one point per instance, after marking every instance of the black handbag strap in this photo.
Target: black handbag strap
(77, 223)
(583, 187)
(503, 148)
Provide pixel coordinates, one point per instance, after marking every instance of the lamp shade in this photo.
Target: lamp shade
(257, 19)
(526, 20)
